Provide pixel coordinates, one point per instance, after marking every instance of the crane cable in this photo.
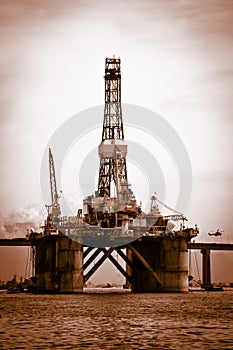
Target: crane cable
(166, 206)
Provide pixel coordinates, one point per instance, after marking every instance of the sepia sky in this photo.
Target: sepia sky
(176, 60)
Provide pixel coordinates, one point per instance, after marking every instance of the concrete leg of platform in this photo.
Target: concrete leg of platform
(59, 265)
(206, 272)
(163, 267)
(173, 264)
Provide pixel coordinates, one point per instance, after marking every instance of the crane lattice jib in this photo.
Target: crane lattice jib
(53, 186)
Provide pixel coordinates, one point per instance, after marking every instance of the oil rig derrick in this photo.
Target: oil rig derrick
(113, 149)
(114, 203)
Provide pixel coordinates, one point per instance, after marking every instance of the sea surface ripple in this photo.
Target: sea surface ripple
(117, 321)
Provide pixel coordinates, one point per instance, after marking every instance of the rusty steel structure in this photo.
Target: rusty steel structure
(113, 149)
(155, 254)
(53, 209)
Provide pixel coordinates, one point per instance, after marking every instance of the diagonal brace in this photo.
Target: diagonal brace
(98, 264)
(124, 257)
(118, 266)
(92, 258)
(87, 251)
(145, 264)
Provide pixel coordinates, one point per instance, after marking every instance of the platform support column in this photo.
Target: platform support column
(58, 265)
(206, 272)
(129, 255)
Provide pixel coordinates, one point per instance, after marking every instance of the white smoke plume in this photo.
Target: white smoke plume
(2, 227)
(15, 225)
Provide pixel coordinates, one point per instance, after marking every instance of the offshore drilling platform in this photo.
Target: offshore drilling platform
(155, 255)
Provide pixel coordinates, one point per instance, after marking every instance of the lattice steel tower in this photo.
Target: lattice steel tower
(113, 149)
(56, 211)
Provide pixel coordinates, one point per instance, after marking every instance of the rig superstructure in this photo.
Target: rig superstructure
(111, 216)
(156, 254)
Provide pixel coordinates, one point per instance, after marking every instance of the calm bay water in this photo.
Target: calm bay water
(117, 321)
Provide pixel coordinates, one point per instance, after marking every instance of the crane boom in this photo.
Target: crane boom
(56, 212)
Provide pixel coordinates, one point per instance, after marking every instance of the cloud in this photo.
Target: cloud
(15, 225)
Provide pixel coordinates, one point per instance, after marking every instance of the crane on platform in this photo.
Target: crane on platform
(53, 209)
(154, 209)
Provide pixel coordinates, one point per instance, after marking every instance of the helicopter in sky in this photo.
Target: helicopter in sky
(217, 233)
